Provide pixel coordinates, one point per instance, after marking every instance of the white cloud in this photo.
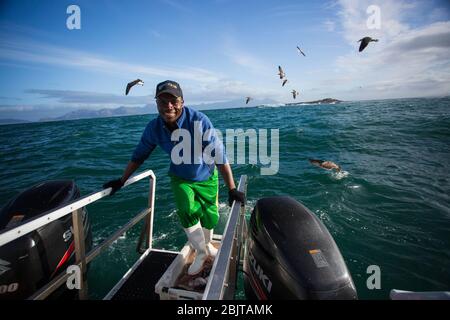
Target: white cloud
(329, 25)
(91, 98)
(354, 16)
(26, 50)
(17, 107)
(243, 57)
(194, 94)
(229, 90)
(407, 61)
(205, 84)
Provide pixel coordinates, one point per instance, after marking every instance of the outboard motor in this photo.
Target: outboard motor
(31, 261)
(291, 255)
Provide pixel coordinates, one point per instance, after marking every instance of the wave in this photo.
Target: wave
(272, 105)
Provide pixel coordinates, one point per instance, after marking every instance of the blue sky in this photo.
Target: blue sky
(217, 50)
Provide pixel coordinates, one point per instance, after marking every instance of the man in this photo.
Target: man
(194, 180)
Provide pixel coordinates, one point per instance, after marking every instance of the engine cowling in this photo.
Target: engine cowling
(291, 255)
(31, 261)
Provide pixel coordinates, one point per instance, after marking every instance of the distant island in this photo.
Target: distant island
(322, 101)
(151, 108)
(147, 109)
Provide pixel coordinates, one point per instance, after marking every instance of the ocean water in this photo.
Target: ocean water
(390, 206)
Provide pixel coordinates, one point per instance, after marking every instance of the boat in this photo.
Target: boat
(284, 252)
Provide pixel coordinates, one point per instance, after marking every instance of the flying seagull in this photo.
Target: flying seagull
(295, 93)
(300, 51)
(364, 42)
(284, 82)
(133, 83)
(281, 72)
(327, 165)
(247, 99)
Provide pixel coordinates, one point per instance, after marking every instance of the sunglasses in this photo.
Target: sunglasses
(174, 101)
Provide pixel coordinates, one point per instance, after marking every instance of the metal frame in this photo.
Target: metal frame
(223, 274)
(75, 208)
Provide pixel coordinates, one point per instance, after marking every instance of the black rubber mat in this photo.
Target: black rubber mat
(141, 284)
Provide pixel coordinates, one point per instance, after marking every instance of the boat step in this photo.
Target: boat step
(141, 283)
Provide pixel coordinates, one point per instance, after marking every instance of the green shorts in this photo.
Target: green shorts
(197, 201)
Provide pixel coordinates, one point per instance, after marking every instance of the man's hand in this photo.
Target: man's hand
(114, 184)
(234, 194)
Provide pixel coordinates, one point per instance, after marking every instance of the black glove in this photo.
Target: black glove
(234, 194)
(114, 184)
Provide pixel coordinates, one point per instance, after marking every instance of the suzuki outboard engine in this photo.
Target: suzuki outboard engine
(31, 261)
(291, 255)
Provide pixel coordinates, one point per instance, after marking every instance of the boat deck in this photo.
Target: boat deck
(140, 285)
(161, 274)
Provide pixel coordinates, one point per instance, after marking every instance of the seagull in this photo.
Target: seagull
(364, 42)
(281, 72)
(327, 165)
(284, 82)
(247, 99)
(132, 83)
(300, 51)
(295, 93)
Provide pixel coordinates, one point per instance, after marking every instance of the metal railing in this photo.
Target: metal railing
(224, 271)
(81, 258)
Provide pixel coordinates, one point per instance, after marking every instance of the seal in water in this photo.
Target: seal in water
(328, 165)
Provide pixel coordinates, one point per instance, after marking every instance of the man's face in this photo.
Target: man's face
(169, 107)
